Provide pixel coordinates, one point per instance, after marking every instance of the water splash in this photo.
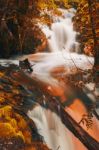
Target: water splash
(64, 51)
(61, 42)
(61, 35)
(49, 125)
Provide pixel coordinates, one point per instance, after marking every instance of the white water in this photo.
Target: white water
(63, 53)
(50, 126)
(54, 132)
(61, 42)
(63, 50)
(46, 62)
(61, 36)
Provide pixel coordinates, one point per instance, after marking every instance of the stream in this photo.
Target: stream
(63, 58)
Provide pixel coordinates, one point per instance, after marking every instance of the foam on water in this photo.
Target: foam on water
(55, 135)
(63, 52)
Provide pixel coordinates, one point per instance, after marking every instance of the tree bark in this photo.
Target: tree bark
(55, 105)
(91, 4)
(73, 126)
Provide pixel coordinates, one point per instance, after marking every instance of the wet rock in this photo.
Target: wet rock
(34, 40)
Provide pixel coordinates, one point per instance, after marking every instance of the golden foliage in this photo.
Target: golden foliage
(83, 24)
(15, 126)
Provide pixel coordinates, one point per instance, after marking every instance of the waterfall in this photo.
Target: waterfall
(61, 35)
(63, 48)
(55, 135)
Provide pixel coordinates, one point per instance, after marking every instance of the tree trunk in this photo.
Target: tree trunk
(92, 7)
(73, 126)
(55, 105)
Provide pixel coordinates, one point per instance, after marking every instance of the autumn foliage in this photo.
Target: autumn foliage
(16, 129)
(85, 22)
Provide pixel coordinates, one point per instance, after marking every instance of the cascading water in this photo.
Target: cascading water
(61, 36)
(64, 35)
(61, 42)
(56, 136)
(49, 125)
